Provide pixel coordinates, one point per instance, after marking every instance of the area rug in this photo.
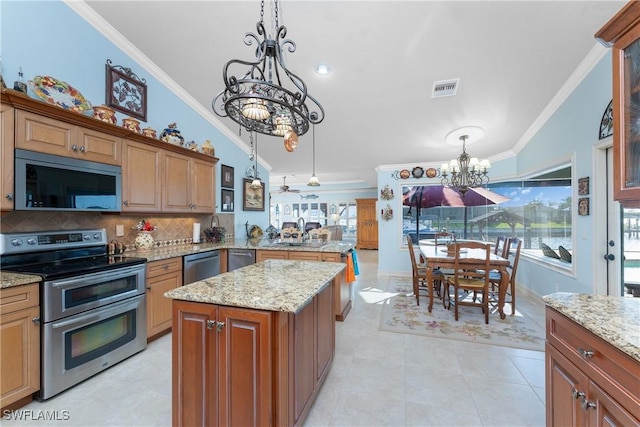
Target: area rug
(401, 314)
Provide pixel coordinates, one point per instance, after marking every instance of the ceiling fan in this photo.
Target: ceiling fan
(284, 188)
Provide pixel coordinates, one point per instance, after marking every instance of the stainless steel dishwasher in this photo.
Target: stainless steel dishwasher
(239, 258)
(200, 266)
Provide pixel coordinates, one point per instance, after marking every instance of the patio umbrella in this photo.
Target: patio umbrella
(430, 196)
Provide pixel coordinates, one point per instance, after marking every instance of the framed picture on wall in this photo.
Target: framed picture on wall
(252, 198)
(226, 176)
(583, 206)
(125, 91)
(583, 186)
(226, 202)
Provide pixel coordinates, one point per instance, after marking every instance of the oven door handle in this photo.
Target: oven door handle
(102, 313)
(96, 277)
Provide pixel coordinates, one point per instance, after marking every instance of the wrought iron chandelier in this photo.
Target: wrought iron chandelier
(465, 172)
(258, 100)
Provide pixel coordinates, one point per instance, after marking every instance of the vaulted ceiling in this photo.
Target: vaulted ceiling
(512, 58)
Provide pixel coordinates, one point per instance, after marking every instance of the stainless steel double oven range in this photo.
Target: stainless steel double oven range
(93, 311)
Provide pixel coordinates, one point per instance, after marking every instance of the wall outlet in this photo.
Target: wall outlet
(119, 230)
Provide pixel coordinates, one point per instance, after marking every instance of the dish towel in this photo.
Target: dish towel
(350, 275)
(354, 257)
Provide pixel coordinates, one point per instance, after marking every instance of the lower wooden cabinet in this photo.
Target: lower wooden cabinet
(19, 344)
(263, 255)
(241, 366)
(588, 381)
(162, 276)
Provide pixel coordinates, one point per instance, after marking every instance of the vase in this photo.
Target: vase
(143, 241)
(131, 124)
(105, 114)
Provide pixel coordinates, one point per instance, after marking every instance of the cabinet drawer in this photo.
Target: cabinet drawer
(616, 372)
(19, 297)
(156, 268)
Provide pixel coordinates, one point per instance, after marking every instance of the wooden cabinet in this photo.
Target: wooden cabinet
(19, 344)
(188, 185)
(214, 346)
(342, 288)
(622, 32)
(141, 189)
(305, 256)
(7, 128)
(262, 255)
(588, 381)
(47, 135)
(162, 276)
(367, 224)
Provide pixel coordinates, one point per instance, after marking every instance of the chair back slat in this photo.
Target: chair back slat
(460, 270)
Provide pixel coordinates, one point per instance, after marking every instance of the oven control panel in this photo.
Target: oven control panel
(11, 243)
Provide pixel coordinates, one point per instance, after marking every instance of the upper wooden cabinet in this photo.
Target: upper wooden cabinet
(188, 185)
(6, 141)
(622, 32)
(37, 133)
(140, 177)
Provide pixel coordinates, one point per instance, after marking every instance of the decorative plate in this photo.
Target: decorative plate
(59, 93)
(431, 173)
(417, 172)
(404, 174)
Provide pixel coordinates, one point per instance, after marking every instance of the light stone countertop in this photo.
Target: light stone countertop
(9, 279)
(182, 250)
(273, 285)
(614, 319)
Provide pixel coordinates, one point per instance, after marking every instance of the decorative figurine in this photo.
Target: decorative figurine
(172, 135)
(20, 85)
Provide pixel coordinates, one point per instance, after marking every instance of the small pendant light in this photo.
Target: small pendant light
(313, 181)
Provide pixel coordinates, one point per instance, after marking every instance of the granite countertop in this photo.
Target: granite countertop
(274, 285)
(614, 319)
(9, 279)
(182, 250)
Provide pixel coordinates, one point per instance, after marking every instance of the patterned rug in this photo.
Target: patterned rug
(401, 314)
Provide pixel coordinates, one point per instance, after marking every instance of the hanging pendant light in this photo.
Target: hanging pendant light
(313, 181)
(256, 184)
(255, 96)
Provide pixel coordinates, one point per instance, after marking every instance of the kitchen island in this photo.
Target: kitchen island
(253, 346)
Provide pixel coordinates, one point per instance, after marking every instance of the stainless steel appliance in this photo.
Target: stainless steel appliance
(93, 312)
(237, 258)
(48, 182)
(200, 266)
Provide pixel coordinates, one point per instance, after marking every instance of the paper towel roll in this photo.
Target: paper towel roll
(196, 232)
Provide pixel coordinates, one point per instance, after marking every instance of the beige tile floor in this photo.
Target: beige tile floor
(377, 378)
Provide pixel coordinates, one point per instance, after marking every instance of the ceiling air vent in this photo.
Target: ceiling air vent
(445, 88)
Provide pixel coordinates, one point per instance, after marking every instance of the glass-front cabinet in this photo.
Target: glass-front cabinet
(622, 33)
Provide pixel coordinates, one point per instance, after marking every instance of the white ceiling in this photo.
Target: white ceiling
(512, 58)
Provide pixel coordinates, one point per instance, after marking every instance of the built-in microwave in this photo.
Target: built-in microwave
(47, 182)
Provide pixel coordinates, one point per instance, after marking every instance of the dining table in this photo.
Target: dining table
(472, 259)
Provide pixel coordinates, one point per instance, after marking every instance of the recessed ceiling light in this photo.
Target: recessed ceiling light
(323, 69)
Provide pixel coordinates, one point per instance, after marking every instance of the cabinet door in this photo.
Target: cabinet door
(159, 307)
(262, 255)
(20, 355)
(7, 142)
(606, 412)
(38, 133)
(326, 331)
(194, 370)
(341, 289)
(565, 385)
(244, 370)
(176, 187)
(305, 360)
(99, 147)
(203, 186)
(140, 177)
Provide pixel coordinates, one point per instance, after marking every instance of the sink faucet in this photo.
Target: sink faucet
(301, 224)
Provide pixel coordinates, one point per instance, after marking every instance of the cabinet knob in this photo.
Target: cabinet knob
(126, 203)
(148, 288)
(9, 196)
(82, 149)
(576, 394)
(210, 324)
(36, 320)
(586, 404)
(74, 147)
(586, 353)
(219, 326)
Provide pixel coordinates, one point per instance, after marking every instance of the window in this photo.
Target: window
(539, 211)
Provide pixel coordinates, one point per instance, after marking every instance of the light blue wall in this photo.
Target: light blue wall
(570, 133)
(49, 38)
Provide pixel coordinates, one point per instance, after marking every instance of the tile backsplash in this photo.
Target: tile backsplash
(174, 229)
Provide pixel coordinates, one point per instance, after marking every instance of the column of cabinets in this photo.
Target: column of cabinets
(7, 145)
(162, 276)
(367, 224)
(588, 381)
(19, 343)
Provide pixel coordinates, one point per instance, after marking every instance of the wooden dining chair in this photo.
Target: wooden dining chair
(419, 273)
(469, 280)
(512, 268)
